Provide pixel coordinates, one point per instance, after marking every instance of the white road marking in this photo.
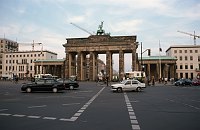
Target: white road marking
(18, 115)
(133, 119)
(73, 118)
(79, 112)
(49, 118)
(70, 104)
(185, 104)
(5, 114)
(3, 109)
(63, 119)
(36, 117)
(37, 106)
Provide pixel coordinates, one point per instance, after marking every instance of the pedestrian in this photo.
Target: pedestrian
(107, 79)
(165, 81)
(153, 80)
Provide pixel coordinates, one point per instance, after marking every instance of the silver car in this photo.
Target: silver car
(128, 85)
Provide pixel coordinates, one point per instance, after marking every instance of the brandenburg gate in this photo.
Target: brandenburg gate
(77, 49)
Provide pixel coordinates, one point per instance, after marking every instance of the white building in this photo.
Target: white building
(6, 45)
(188, 60)
(21, 63)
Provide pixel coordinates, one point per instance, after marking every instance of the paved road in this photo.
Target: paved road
(95, 107)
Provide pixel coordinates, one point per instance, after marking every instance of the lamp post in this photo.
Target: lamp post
(41, 58)
(149, 53)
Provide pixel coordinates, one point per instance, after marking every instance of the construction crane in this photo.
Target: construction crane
(193, 35)
(82, 28)
(32, 44)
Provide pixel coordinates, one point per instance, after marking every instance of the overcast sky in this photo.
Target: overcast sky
(48, 21)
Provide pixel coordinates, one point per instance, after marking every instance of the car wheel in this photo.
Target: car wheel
(28, 90)
(55, 90)
(139, 89)
(71, 87)
(119, 90)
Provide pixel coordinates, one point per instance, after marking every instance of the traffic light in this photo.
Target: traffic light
(149, 52)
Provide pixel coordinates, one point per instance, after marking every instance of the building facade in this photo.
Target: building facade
(188, 60)
(94, 45)
(6, 45)
(159, 67)
(21, 63)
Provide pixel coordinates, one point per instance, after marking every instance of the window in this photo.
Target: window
(191, 57)
(180, 57)
(185, 57)
(198, 58)
(181, 66)
(185, 51)
(186, 75)
(128, 82)
(40, 82)
(191, 66)
(186, 66)
(196, 51)
(190, 51)
(180, 51)
(175, 51)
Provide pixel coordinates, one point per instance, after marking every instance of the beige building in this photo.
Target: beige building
(188, 60)
(21, 63)
(6, 45)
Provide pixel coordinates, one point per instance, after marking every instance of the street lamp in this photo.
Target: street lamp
(149, 53)
(41, 58)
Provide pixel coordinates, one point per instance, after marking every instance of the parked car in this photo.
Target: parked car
(196, 82)
(183, 82)
(128, 85)
(69, 83)
(45, 84)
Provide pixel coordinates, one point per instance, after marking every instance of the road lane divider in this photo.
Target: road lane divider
(72, 119)
(132, 116)
(80, 111)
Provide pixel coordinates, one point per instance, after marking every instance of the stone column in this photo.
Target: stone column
(173, 71)
(79, 66)
(67, 65)
(148, 70)
(84, 69)
(121, 64)
(73, 64)
(157, 71)
(109, 64)
(134, 60)
(92, 64)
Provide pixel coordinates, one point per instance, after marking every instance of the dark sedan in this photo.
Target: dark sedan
(196, 82)
(183, 82)
(43, 85)
(68, 83)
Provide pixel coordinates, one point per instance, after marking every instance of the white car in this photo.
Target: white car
(128, 85)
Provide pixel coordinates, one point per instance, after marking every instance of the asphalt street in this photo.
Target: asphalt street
(96, 107)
